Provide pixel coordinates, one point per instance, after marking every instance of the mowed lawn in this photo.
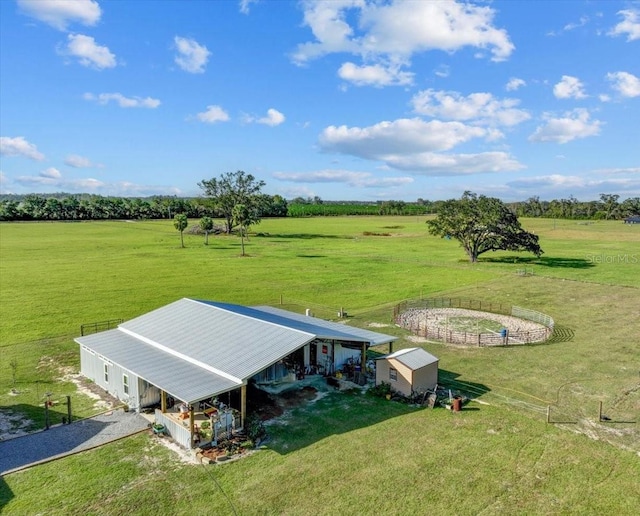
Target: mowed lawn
(346, 453)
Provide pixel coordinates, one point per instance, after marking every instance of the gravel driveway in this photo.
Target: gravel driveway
(63, 440)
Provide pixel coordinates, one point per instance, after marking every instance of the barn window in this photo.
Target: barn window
(106, 373)
(125, 383)
(393, 374)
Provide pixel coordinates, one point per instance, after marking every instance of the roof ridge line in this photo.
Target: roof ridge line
(182, 356)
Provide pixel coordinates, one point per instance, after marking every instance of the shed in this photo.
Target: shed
(408, 370)
(634, 219)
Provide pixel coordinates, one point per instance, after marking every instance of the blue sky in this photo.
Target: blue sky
(342, 99)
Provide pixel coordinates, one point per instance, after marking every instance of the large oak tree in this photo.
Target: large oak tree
(231, 189)
(482, 224)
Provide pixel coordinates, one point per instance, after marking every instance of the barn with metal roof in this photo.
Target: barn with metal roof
(193, 351)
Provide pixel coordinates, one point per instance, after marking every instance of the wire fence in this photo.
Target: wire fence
(95, 327)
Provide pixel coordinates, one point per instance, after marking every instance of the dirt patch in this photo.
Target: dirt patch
(378, 325)
(269, 406)
(102, 399)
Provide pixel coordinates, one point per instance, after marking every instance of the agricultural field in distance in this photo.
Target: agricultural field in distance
(345, 453)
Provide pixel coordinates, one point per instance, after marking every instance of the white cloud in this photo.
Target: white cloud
(374, 75)
(51, 173)
(574, 25)
(122, 101)
(75, 161)
(51, 180)
(273, 118)
(245, 5)
(610, 171)
(192, 57)
(356, 179)
(586, 187)
(573, 125)
(480, 107)
(436, 164)
(629, 26)
(442, 71)
(626, 84)
(88, 53)
(60, 13)
(515, 84)
(569, 87)
(417, 146)
(18, 146)
(212, 115)
(394, 31)
(400, 136)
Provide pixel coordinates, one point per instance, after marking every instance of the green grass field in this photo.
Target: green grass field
(345, 453)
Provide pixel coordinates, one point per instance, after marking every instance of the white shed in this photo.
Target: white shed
(408, 370)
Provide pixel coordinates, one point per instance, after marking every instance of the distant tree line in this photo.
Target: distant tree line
(300, 207)
(607, 207)
(63, 206)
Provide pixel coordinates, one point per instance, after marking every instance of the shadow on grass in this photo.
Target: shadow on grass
(545, 261)
(311, 255)
(335, 412)
(6, 494)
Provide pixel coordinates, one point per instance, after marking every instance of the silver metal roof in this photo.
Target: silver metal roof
(240, 346)
(321, 328)
(413, 358)
(200, 348)
(181, 379)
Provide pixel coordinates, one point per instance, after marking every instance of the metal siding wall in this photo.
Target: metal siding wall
(149, 394)
(342, 354)
(116, 387)
(91, 366)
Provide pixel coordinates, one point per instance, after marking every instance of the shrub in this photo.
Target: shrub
(256, 430)
(381, 390)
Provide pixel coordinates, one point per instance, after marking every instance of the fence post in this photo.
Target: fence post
(69, 409)
(548, 413)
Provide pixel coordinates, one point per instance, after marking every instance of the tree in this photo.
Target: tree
(231, 189)
(630, 206)
(180, 222)
(482, 224)
(206, 224)
(244, 217)
(610, 205)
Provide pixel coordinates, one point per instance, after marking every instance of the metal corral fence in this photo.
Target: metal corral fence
(412, 316)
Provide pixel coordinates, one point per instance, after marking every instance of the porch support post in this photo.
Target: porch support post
(333, 357)
(363, 362)
(390, 347)
(243, 405)
(191, 424)
(163, 401)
